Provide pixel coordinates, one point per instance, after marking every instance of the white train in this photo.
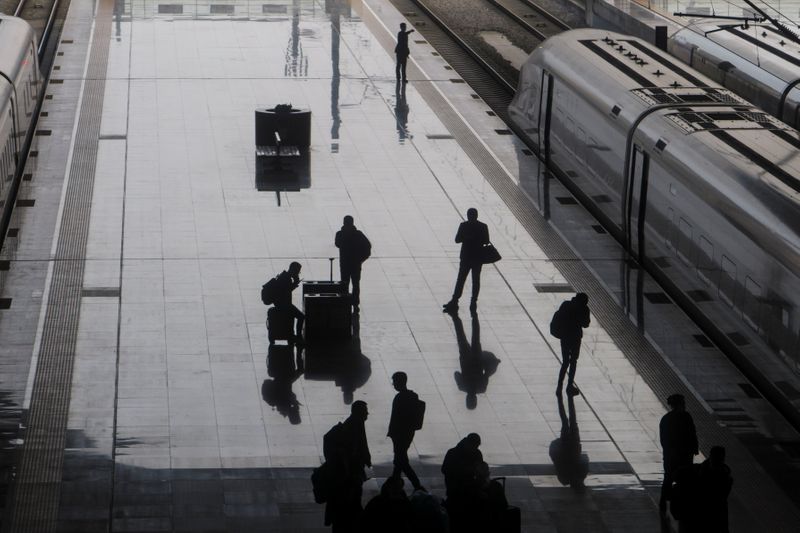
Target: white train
(20, 82)
(701, 187)
(757, 63)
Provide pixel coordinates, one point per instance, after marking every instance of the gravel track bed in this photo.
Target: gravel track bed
(470, 17)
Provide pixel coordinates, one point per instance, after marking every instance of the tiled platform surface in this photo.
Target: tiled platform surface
(178, 422)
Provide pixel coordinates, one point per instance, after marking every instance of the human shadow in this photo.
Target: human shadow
(572, 466)
(477, 365)
(401, 112)
(340, 362)
(284, 369)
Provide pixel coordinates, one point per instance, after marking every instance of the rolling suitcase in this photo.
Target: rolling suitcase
(279, 325)
(329, 315)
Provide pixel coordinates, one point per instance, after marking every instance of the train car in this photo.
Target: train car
(758, 63)
(20, 83)
(700, 187)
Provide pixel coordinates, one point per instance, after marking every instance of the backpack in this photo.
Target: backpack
(364, 247)
(558, 324)
(268, 291)
(321, 482)
(417, 412)
(332, 441)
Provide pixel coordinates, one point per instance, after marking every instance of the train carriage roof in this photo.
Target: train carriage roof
(741, 146)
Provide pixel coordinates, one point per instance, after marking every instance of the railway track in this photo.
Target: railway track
(531, 16)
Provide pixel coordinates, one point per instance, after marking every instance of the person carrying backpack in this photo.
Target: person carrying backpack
(346, 451)
(278, 291)
(404, 421)
(354, 249)
(567, 325)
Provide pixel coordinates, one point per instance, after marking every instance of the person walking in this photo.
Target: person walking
(567, 325)
(354, 249)
(715, 483)
(679, 444)
(472, 235)
(401, 427)
(285, 283)
(345, 449)
(402, 52)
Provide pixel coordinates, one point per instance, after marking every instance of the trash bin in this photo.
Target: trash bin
(293, 126)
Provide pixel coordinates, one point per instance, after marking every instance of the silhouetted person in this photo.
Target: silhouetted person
(278, 392)
(715, 483)
(573, 316)
(354, 249)
(345, 448)
(488, 500)
(402, 52)
(472, 235)
(459, 466)
(289, 280)
(401, 112)
(572, 466)
(679, 443)
(401, 427)
(427, 513)
(477, 365)
(389, 511)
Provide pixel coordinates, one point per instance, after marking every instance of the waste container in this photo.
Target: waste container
(293, 126)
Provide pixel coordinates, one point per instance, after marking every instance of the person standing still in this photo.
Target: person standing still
(572, 316)
(402, 52)
(472, 235)
(679, 444)
(354, 249)
(401, 427)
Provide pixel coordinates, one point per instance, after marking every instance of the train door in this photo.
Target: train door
(637, 201)
(545, 107)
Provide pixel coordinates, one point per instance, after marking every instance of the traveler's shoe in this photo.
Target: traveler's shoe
(450, 307)
(572, 390)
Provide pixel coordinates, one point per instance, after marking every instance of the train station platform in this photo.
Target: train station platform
(139, 389)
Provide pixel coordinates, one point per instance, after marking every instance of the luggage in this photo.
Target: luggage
(321, 482)
(329, 316)
(328, 310)
(279, 325)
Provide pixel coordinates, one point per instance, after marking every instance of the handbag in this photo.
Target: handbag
(489, 254)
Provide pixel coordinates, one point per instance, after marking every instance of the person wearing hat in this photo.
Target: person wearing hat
(678, 442)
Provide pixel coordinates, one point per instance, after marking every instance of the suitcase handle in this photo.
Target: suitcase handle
(331, 260)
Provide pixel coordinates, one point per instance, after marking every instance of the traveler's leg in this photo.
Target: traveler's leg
(565, 358)
(397, 66)
(355, 276)
(300, 318)
(405, 60)
(463, 270)
(573, 365)
(401, 463)
(476, 284)
(345, 276)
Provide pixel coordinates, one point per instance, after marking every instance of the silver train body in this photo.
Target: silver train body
(20, 82)
(758, 63)
(700, 186)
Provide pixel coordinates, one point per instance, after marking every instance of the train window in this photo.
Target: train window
(685, 241)
(670, 223)
(752, 303)
(705, 262)
(727, 281)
